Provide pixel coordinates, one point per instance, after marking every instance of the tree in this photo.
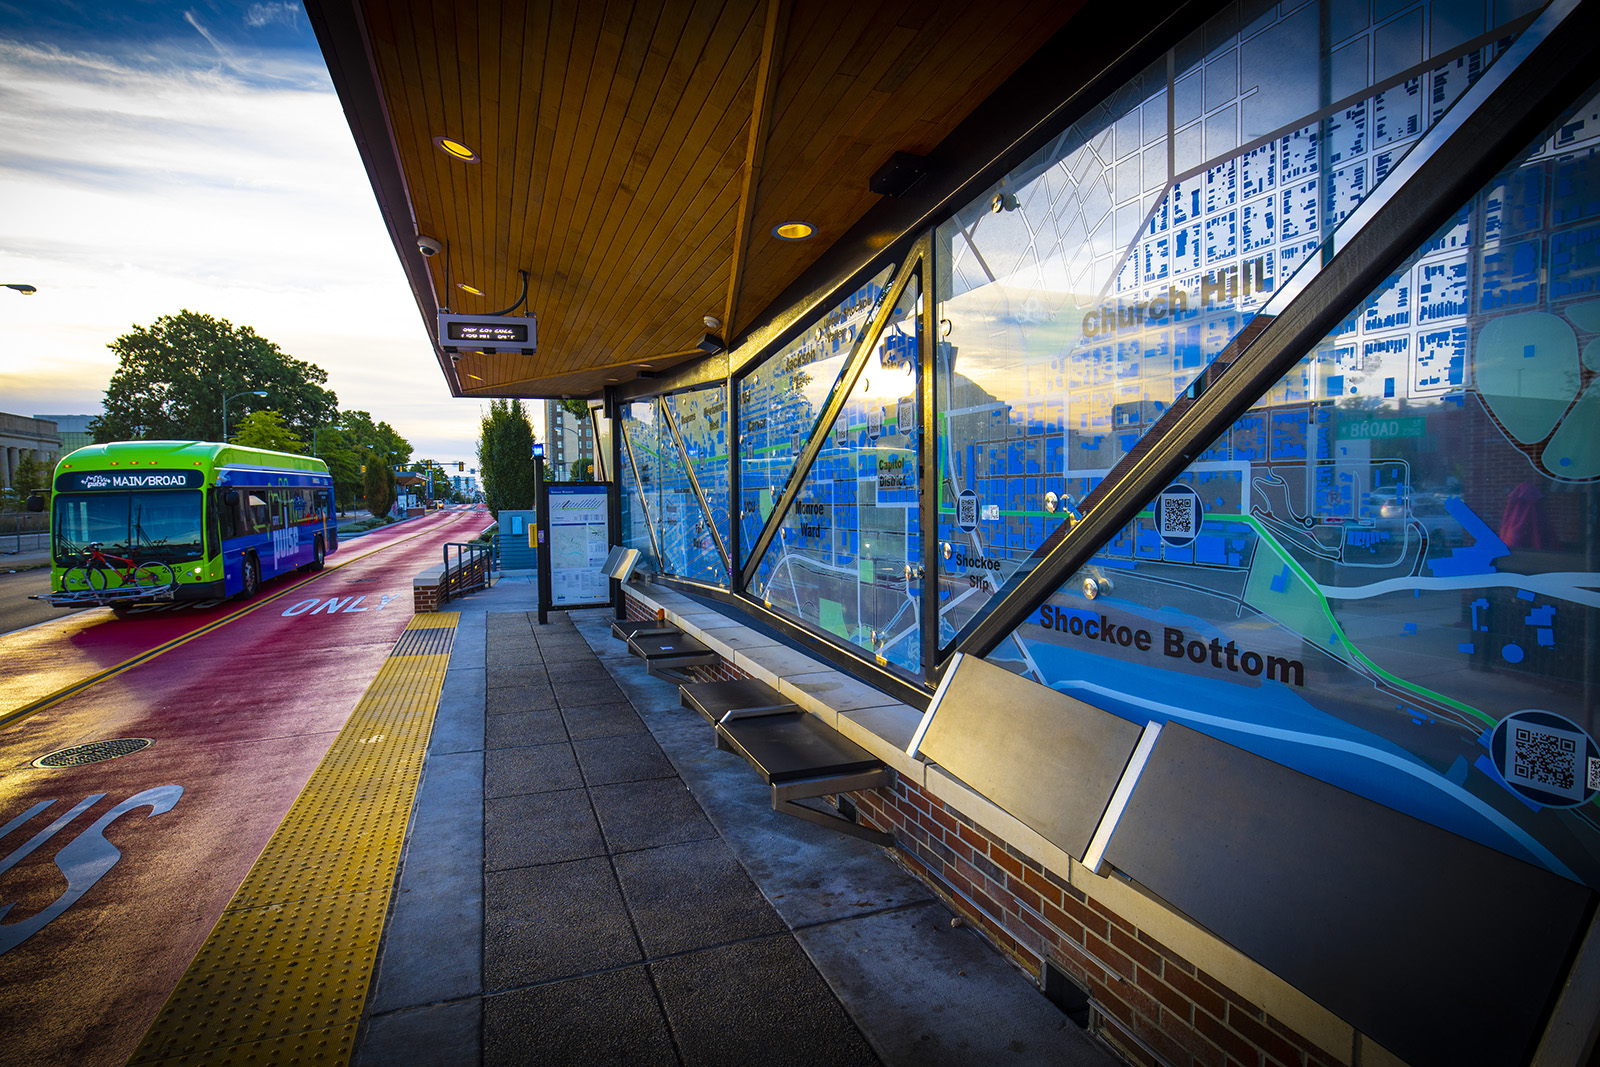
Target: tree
(27, 477)
(173, 376)
(505, 457)
(265, 429)
(379, 437)
(583, 470)
(336, 448)
(378, 485)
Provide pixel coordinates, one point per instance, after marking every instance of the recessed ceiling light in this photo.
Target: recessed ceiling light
(793, 231)
(712, 322)
(465, 288)
(455, 149)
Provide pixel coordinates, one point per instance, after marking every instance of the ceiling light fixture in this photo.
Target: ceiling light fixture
(455, 149)
(465, 288)
(793, 231)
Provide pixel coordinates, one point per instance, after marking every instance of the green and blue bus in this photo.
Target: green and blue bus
(146, 521)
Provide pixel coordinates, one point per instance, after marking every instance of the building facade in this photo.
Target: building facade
(73, 430)
(24, 438)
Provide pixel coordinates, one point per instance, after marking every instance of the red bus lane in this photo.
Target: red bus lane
(113, 873)
(52, 657)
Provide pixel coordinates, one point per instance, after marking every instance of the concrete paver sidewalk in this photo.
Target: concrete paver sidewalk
(588, 880)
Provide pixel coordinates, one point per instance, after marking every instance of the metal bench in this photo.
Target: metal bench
(666, 655)
(798, 755)
(741, 697)
(801, 757)
(626, 629)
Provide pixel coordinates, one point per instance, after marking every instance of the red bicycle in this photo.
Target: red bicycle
(99, 572)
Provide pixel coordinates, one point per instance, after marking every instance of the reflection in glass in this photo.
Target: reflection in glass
(640, 498)
(1092, 285)
(780, 400)
(702, 420)
(1385, 574)
(847, 558)
(678, 509)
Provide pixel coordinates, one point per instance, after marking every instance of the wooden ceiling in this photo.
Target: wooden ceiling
(634, 157)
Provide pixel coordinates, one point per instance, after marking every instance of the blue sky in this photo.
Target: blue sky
(164, 156)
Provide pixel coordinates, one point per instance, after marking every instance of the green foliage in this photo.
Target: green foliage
(172, 378)
(583, 470)
(378, 437)
(266, 429)
(378, 484)
(578, 409)
(348, 444)
(505, 464)
(336, 448)
(27, 476)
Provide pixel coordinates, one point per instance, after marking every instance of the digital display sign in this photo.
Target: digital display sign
(489, 333)
(486, 331)
(96, 481)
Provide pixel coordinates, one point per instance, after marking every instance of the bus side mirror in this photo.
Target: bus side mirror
(231, 498)
(35, 501)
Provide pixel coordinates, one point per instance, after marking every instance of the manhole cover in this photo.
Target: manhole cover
(94, 752)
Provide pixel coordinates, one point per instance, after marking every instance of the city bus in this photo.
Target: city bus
(138, 522)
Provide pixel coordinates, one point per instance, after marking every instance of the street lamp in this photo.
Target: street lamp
(236, 396)
(22, 287)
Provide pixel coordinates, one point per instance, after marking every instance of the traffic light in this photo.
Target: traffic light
(461, 465)
(363, 468)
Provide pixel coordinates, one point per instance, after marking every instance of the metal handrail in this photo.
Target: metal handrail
(468, 570)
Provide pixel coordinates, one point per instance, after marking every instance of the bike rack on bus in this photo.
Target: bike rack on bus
(95, 598)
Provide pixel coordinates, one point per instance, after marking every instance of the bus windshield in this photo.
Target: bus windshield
(163, 524)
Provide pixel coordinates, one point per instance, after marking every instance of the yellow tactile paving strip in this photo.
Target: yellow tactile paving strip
(283, 976)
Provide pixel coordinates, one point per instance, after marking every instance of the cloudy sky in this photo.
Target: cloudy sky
(164, 156)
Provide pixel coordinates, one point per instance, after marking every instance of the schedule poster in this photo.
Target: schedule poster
(578, 545)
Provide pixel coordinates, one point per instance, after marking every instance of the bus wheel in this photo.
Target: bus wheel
(318, 553)
(251, 569)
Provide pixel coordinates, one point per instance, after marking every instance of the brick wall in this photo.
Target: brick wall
(1154, 1006)
(424, 598)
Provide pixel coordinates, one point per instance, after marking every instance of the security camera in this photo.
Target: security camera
(455, 357)
(428, 246)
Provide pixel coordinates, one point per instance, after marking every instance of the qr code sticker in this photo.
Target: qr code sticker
(1180, 516)
(1548, 759)
(1594, 773)
(967, 510)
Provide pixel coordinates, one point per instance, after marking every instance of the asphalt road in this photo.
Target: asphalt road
(16, 610)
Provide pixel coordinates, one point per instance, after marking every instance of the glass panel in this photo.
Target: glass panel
(702, 418)
(1092, 285)
(640, 497)
(157, 525)
(848, 556)
(679, 509)
(1384, 576)
(780, 400)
